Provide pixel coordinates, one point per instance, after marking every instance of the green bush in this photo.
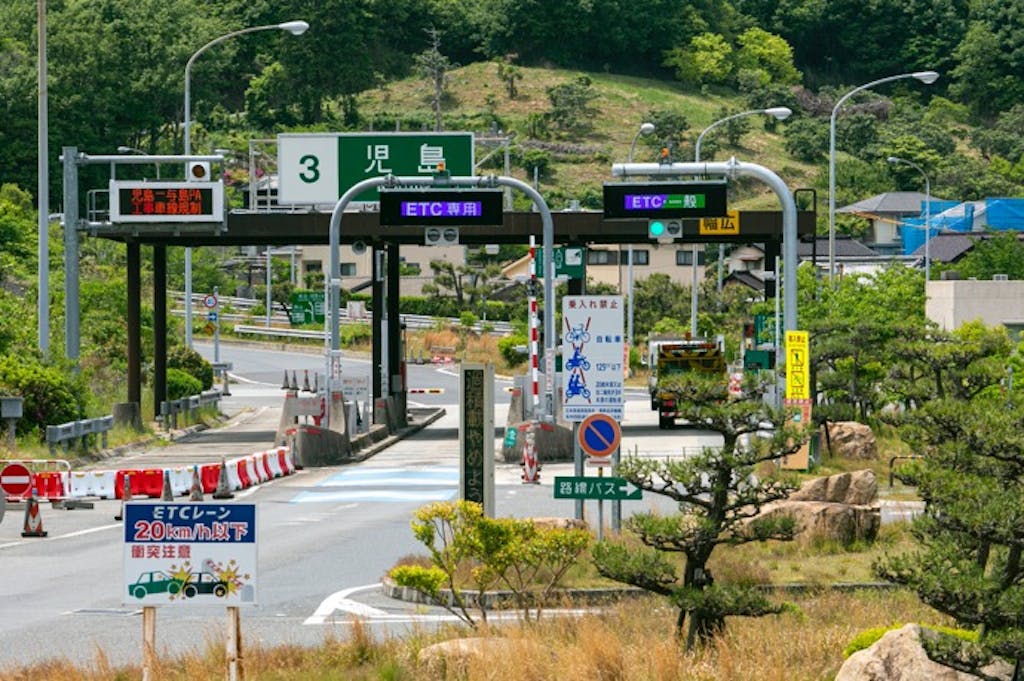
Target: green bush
(507, 348)
(181, 384)
(50, 396)
(192, 363)
(869, 637)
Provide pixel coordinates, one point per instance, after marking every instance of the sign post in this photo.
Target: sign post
(798, 393)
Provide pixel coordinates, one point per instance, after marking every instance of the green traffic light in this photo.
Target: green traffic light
(655, 228)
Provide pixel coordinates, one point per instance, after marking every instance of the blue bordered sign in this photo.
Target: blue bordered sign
(599, 435)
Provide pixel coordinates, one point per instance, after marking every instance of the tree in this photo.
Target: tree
(434, 66)
(658, 297)
(719, 498)
(968, 564)
(706, 59)
(762, 51)
(990, 59)
(571, 110)
(509, 74)
(994, 253)
(806, 139)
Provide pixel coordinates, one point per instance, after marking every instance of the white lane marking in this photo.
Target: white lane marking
(339, 600)
(77, 533)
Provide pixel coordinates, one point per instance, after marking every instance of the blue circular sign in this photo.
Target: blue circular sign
(599, 435)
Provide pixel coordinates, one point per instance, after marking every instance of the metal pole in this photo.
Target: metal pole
(268, 286)
(734, 168)
(693, 293)
(216, 331)
(43, 190)
(72, 314)
(926, 77)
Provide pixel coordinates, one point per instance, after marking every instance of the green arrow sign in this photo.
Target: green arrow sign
(583, 487)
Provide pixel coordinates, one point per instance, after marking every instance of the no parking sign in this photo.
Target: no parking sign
(599, 436)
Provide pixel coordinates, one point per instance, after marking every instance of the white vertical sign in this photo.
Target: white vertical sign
(592, 351)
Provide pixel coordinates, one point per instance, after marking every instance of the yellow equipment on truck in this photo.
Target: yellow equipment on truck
(668, 356)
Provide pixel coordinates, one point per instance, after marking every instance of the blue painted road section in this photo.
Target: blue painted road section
(385, 485)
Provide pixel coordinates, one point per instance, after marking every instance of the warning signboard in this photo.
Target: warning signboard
(798, 366)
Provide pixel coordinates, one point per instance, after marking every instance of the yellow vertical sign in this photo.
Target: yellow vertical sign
(798, 366)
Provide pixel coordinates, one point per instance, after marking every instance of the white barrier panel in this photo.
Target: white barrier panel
(181, 481)
(233, 480)
(93, 484)
(273, 463)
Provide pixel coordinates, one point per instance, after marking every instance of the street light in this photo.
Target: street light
(132, 150)
(645, 129)
(926, 77)
(927, 213)
(293, 27)
(780, 113)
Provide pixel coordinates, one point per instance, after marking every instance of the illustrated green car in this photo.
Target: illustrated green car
(205, 583)
(154, 582)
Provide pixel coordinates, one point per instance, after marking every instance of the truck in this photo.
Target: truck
(670, 355)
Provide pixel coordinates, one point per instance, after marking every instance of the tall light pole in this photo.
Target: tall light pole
(644, 129)
(926, 77)
(293, 27)
(780, 113)
(43, 187)
(927, 214)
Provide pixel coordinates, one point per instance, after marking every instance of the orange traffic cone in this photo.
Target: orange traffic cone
(126, 495)
(168, 493)
(196, 493)
(33, 519)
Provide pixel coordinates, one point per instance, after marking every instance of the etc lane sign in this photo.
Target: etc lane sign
(319, 168)
(592, 351)
(189, 553)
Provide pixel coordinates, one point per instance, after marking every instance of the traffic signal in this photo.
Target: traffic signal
(441, 236)
(664, 229)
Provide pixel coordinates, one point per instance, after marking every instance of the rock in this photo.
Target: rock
(851, 440)
(820, 519)
(458, 655)
(856, 487)
(559, 523)
(898, 656)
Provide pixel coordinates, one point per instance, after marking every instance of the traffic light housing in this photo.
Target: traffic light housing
(441, 236)
(664, 229)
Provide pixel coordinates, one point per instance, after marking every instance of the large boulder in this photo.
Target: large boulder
(859, 488)
(851, 440)
(454, 658)
(844, 523)
(899, 656)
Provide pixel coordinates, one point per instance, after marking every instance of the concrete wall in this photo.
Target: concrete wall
(952, 303)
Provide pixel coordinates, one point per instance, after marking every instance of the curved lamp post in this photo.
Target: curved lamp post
(926, 77)
(780, 113)
(293, 27)
(927, 213)
(644, 129)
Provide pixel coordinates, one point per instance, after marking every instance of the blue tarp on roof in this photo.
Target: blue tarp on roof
(1005, 214)
(912, 230)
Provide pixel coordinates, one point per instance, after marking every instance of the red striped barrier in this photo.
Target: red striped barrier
(49, 485)
(284, 456)
(265, 464)
(151, 482)
(273, 463)
(243, 473)
(209, 476)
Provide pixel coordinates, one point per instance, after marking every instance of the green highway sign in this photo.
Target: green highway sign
(584, 487)
(569, 262)
(319, 168)
(307, 307)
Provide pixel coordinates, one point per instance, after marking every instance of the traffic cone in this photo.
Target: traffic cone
(223, 490)
(196, 493)
(33, 519)
(284, 383)
(168, 493)
(126, 495)
(305, 382)
(295, 382)
(316, 383)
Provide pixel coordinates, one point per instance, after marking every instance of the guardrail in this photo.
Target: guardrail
(66, 434)
(170, 409)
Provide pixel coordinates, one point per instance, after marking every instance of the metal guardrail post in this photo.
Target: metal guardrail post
(892, 471)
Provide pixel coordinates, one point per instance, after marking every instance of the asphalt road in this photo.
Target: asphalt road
(326, 536)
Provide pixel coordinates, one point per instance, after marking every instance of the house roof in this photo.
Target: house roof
(889, 203)
(947, 247)
(748, 279)
(846, 247)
